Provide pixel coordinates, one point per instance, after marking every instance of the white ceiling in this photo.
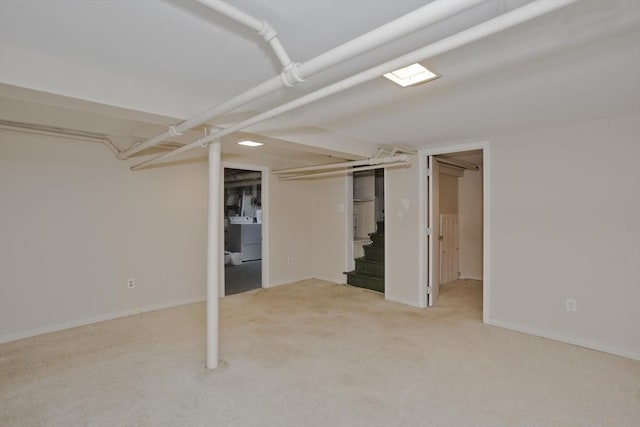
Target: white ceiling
(159, 61)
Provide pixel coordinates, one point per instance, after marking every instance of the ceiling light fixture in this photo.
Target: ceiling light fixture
(411, 75)
(250, 143)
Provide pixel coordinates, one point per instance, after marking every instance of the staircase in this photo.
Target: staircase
(369, 272)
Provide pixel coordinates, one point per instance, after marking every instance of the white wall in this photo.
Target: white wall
(401, 234)
(565, 209)
(327, 222)
(470, 220)
(290, 230)
(448, 194)
(75, 224)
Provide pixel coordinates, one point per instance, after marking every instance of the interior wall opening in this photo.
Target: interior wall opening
(368, 264)
(242, 208)
(456, 222)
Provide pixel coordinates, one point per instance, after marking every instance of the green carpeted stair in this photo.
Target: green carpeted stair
(369, 272)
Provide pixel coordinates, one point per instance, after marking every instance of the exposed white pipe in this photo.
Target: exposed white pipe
(458, 163)
(338, 172)
(262, 27)
(365, 162)
(487, 28)
(234, 13)
(431, 13)
(213, 255)
(59, 132)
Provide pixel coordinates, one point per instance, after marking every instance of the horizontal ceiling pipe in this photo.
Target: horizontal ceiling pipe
(364, 162)
(59, 132)
(431, 13)
(338, 172)
(487, 28)
(458, 163)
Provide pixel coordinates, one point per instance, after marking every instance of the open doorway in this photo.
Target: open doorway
(456, 229)
(243, 218)
(368, 231)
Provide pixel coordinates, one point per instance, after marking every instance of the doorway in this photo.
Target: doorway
(367, 232)
(455, 225)
(243, 222)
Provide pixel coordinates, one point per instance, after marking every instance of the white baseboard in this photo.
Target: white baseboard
(463, 277)
(95, 319)
(338, 281)
(286, 281)
(564, 339)
(162, 306)
(402, 301)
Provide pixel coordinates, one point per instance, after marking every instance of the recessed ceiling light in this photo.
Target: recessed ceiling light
(411, 75)
(250, 143)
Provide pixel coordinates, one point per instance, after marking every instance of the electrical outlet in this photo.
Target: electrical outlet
(289, 261)
(131, 283)
(570, 305)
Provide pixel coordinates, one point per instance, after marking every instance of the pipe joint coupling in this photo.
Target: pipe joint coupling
(174, 132)
(203, 143)
(267, 31)
(290, 76)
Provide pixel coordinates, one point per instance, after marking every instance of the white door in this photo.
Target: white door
(433, 251)
(449, 248)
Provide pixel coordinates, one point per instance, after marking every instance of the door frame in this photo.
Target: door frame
(264, 196)
(424, 253)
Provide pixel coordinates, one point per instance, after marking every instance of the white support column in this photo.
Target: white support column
(213, 255)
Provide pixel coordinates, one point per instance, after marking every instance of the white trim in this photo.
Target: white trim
(486, 230)
(563, 339)
(95, 319)
(430, 238)
(337, 281)
(422, 231)
(288, 281)
(264, 188)
(486, 188)
(411, 303)
(386, 234)
(349, 263)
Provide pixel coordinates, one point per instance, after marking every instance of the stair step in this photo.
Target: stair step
(364, 265)
(377, 239)
(373, 253)
(366, 281)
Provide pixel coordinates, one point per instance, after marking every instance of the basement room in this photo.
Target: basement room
(320, 213)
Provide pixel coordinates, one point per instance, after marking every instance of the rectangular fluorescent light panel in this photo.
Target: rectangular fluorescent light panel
(411, 75)
(250, 143)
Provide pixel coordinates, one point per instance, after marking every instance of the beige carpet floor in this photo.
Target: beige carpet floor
(314, 354)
